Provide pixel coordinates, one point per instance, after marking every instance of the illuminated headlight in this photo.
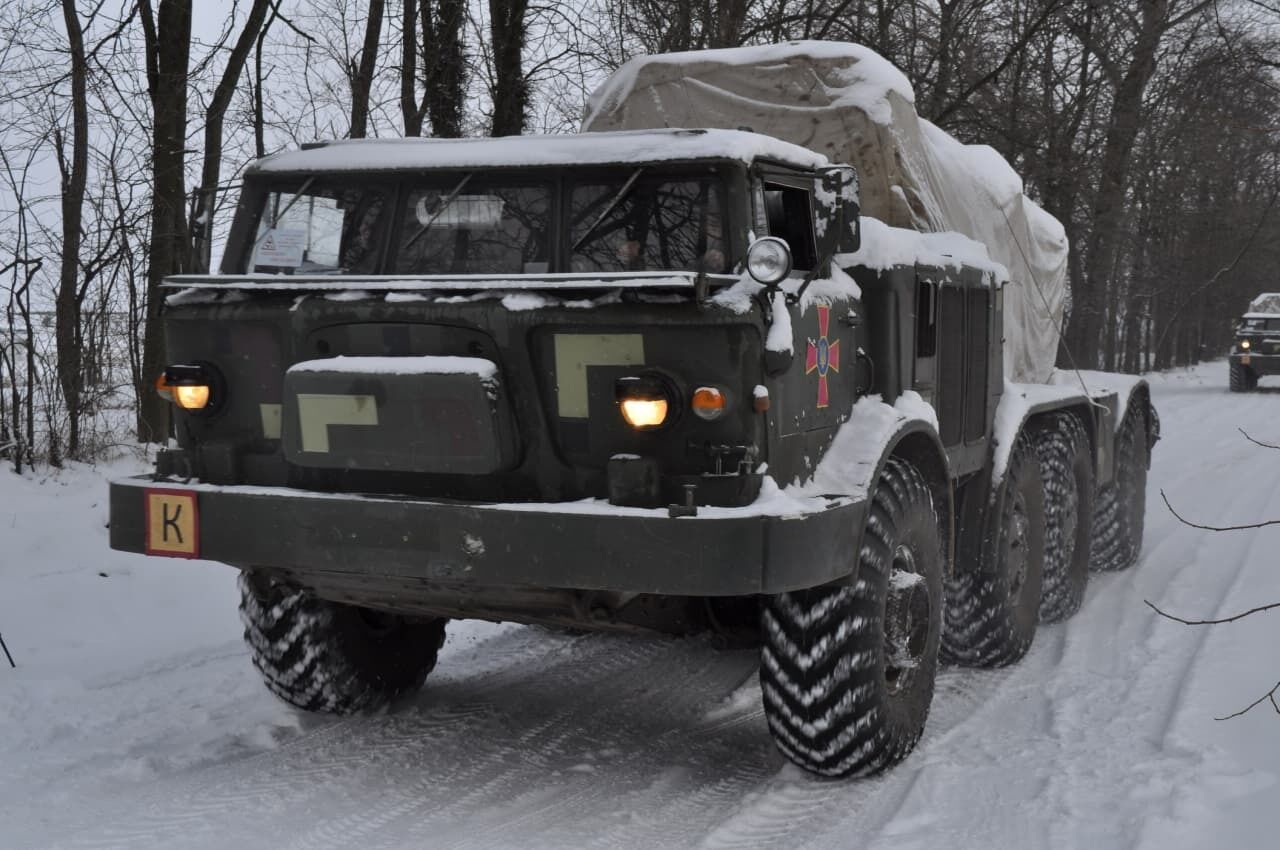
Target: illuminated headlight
(1244, 344)
(189, 387)
(769, 260)
(646, 401)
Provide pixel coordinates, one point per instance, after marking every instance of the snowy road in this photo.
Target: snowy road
(136, 720)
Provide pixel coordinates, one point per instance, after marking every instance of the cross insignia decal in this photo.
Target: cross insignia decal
(823, 356)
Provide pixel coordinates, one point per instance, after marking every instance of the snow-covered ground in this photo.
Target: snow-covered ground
(135, 719)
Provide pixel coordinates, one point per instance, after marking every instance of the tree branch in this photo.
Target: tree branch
(1184, 521)
(1230, 619)
(1269, 695)
(1256, 442)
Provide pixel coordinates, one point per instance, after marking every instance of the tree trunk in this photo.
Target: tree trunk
(362, 79)
(168, 47)
(73, 187)
(510, 88)
(206, 198)
(1084, 333)
(410, 112)
(444, 65)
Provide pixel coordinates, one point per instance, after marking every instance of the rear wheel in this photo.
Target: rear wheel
(847, 670)
(327, 657)
(1119, 519)
(993, 602)
(1066, 474)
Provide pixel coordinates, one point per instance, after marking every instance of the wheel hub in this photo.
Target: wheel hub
(1016, 555)
(906, 621)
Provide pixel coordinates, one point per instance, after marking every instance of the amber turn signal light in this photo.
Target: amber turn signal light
(708, 403)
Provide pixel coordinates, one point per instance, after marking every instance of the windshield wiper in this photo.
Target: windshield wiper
(302, 190)
(613, 204)
(444, 205)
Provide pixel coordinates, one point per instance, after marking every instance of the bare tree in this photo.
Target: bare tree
(214, 115)
(510, 92)
(362, 76)
(167, 44)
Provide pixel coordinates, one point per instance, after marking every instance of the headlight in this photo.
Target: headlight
(646, 401)
(769, 260)
(189, 387)
(1244, 344)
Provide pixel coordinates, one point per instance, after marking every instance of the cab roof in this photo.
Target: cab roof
(612, 148)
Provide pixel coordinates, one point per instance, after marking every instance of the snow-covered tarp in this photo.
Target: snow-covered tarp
(1267, 304)
(851, 105)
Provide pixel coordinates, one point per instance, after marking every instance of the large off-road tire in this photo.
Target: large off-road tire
(1242, 379)
(1066, 474)
(1120, 515)
(993, 600)
(847, 670)
(327, 657)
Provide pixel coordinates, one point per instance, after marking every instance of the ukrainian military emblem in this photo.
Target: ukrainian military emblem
(823, 356)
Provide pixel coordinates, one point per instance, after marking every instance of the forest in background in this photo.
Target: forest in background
(1148, 127)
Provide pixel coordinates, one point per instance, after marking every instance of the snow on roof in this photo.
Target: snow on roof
(633, 146)
(1266, 302)
(884, 247)
(869, 78)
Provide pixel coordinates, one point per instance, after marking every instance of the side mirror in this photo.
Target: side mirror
(836, 204)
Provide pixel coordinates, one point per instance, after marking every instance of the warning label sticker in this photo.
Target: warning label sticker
(281, 247)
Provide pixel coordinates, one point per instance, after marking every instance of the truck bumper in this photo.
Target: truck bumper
(580, 546)
(1260, 364)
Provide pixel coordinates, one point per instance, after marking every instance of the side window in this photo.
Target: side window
(789, 213)
(926, 319)
(951, 364)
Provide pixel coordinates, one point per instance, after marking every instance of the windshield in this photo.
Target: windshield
(319, 227)
(472, 227)
(529, 222)
(631, 222)
(1254, 324)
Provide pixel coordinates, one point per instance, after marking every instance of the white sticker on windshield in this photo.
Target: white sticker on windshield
(281, 247)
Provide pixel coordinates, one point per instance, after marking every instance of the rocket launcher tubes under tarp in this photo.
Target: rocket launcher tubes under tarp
(848, 103)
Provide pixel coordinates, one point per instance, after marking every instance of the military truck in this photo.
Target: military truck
(645, 379)
(1256, 351)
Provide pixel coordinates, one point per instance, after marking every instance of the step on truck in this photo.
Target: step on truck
(783, 374)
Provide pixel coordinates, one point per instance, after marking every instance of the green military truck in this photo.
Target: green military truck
(1256, 351)
(649, 380)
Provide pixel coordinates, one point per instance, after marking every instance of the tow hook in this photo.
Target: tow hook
(690, 506)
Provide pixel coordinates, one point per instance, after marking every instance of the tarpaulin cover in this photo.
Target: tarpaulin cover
(848, 103)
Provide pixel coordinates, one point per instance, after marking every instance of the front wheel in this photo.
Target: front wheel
(847, 670)
(333, 658)
(1241, 379)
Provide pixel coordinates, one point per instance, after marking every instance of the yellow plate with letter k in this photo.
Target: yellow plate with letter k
(173, 523)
